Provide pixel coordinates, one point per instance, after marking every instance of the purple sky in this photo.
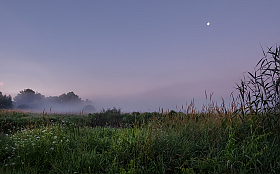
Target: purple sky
(136, 55)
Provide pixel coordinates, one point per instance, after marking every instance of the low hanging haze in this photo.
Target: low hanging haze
(134, 55)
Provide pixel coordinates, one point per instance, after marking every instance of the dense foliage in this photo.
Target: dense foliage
(207, 142)
(5, 101)
(28, 99)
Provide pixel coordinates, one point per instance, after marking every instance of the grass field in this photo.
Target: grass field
(215, 140)
(244, 138)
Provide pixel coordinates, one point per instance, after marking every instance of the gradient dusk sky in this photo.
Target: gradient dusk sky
(136, 55)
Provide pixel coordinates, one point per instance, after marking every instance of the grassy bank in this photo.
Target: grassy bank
(213, 141)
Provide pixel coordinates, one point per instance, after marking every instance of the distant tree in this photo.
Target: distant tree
(28, 99)
(70, 97)
(69, 102)
(5, 101)
(88, 109)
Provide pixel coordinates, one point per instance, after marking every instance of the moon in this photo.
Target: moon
(208, 23)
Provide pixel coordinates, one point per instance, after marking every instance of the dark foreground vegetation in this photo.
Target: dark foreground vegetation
(215, 141)
(244, 138)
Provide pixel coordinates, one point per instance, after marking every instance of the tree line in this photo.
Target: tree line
(31, 100)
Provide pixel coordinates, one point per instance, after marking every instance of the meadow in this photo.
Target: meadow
(244, 138)
(214, 140)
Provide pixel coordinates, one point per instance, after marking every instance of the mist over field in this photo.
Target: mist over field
(28, 99)
(138, 56)
(147, 86)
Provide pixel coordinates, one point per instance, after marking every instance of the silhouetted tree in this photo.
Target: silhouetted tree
(28, 99)
(70, 102)
(70, 97)
(5, 101)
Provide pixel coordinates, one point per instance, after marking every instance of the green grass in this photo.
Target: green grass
(242, 139)
(183, 142)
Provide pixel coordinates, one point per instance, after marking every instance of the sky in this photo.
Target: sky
(134, 55)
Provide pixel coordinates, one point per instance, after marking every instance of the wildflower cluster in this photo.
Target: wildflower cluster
(28, 145)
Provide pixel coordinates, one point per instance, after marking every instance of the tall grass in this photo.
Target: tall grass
(241, 139)
(208, 142)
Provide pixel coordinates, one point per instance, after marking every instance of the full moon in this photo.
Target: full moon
(208, 23)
